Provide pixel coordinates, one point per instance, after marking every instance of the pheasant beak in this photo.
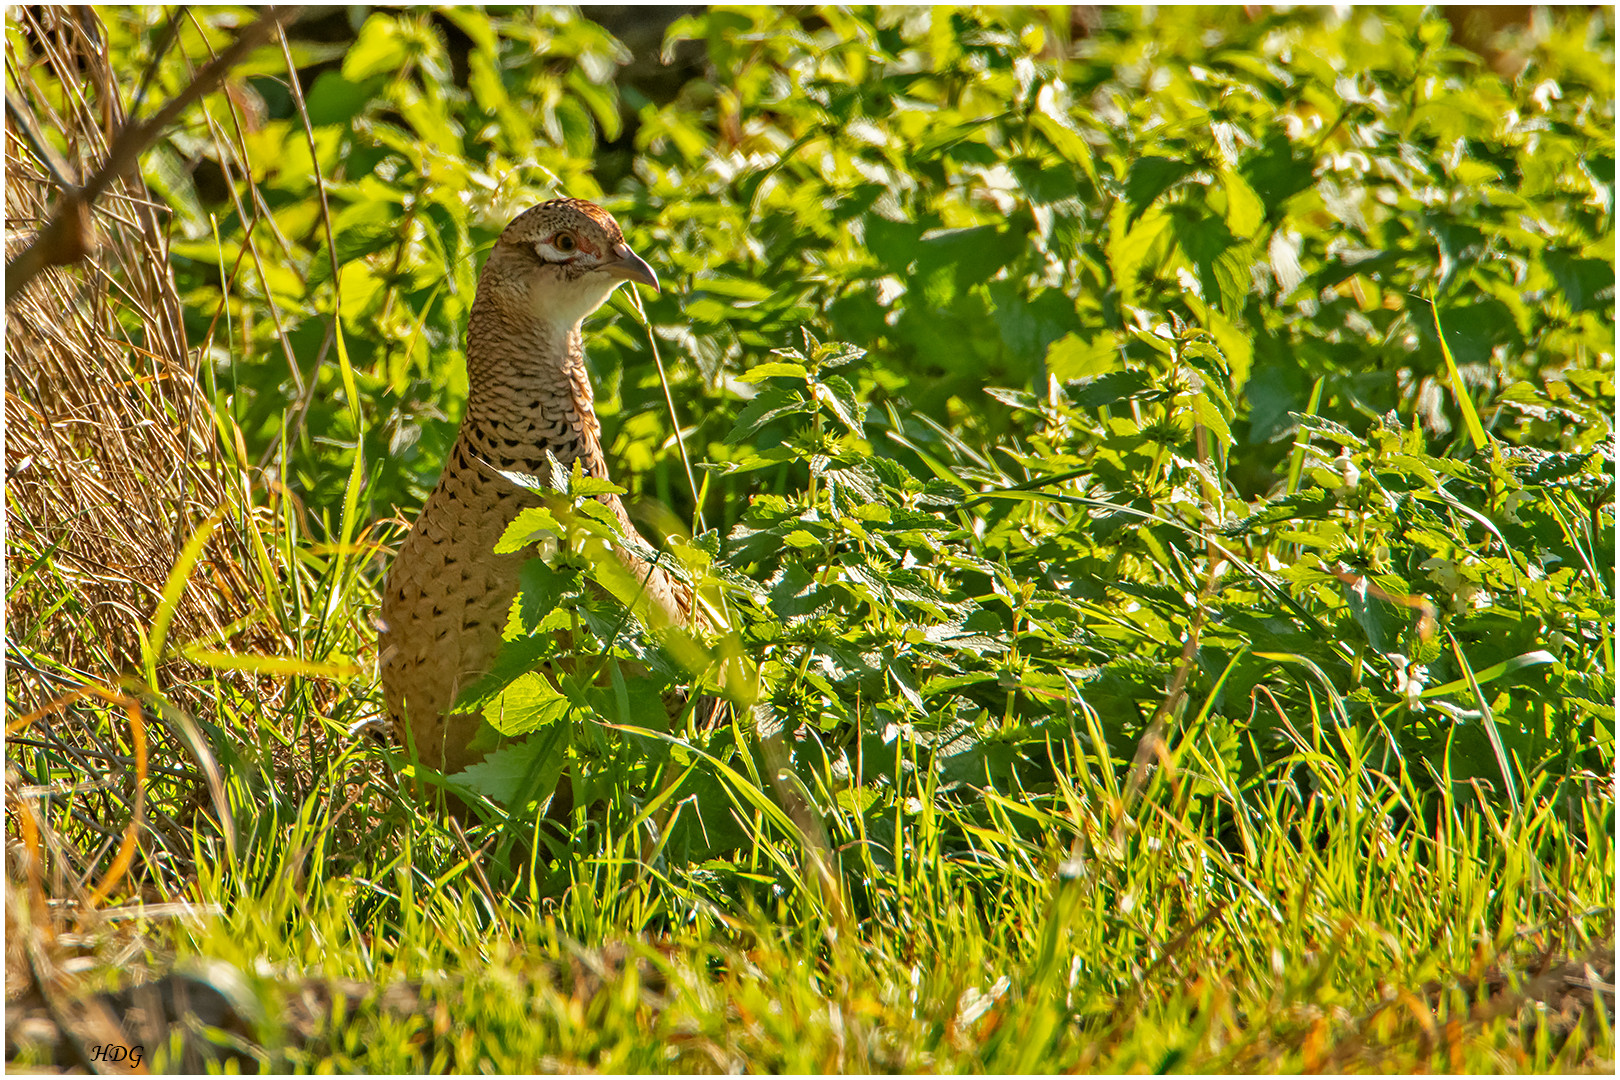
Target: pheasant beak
(628, 266)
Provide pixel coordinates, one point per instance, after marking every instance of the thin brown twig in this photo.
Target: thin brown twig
(315, 166)
(261, 212)
(70, 236)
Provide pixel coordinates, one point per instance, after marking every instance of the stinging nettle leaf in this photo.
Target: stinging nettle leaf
(586, 486)
(1149, 178)
(534, 525)
(530, 768)
(840, 397)
(1109, 389)
(774, 369)
(540, 587)
(1336, 432)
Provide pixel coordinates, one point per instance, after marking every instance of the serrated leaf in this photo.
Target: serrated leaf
(794, 592)
(836, 354)
(903, 680)
(890, 471)
(1313, 504)
(540, 587)
(1109, 389)
(526, 703)
(770, 404)
(531, 482)
(774, 369)
(1329, 429)
(1551, 468)
(839, 396)
(516, 657)
(1018, 399)
(534, 525)
(514, 775)
(588, 487)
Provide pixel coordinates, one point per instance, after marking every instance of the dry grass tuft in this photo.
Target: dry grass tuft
(112, 465)
(111, 456)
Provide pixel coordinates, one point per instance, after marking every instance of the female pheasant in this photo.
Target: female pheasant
(447, 595)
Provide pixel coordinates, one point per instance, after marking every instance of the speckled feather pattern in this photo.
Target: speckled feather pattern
(447, 595)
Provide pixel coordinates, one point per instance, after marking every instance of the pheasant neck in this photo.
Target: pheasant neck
(528, 393)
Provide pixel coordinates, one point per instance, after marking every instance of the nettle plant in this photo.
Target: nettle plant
(973, 196)
(930, 624)
(1460, 595)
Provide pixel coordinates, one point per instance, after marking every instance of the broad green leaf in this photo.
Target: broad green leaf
(1072, 358)
(774, 369)
(534, 525)
(1150, 177)
(527, 703)
(529, 768)
(540, 587)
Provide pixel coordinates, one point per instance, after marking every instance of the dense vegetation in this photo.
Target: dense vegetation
(1156, 474)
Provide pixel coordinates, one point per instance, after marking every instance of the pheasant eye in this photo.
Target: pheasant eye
(564, 242)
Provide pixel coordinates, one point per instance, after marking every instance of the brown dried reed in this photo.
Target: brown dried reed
(113, 462)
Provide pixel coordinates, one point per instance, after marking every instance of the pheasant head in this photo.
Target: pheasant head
(558, 262)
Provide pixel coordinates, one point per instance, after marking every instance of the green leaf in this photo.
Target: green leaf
(895, 244)
(1043, 184)
(1277, 173)
(773, 369)
(795, 592)
(637, 702)
(534, 525)
(586, 486)
(1245, 213)
(836, 393)
(540, 587)
(1109, 389)
(1321, 425)
(770, 404)
(354, 243)
(1072, 358)
(1215, 254)
(1588, 284)
(334, 99)
(527, 703)
(890, 471)
(1029, 326)
(966, 257)
(519, 773)
(1149, 178)
(1382, 621)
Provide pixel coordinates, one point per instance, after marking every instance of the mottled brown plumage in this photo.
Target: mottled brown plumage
(447, 595)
